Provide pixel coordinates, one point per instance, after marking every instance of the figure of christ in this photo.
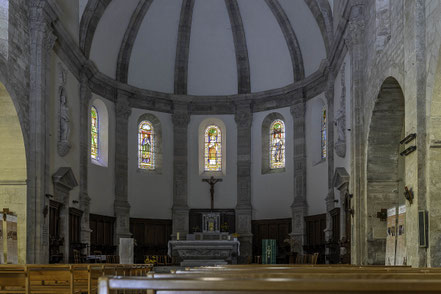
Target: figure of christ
(212, 181)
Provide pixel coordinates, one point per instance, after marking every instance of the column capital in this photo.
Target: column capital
(298, 110)
(243, 114)
(123, 109)
(181, 114)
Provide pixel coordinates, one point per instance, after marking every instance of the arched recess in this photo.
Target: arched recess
(266, 124)
(13, 169)
(103, 132)
(156, 124)
(385, 166)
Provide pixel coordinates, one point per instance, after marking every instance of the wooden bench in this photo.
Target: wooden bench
(270, 285)
(78, 278)
(284, 279)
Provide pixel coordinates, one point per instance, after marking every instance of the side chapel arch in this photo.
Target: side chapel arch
(13, 169)
(385, 172)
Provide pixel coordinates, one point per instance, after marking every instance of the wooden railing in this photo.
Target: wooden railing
(78, 278)
(283, 279)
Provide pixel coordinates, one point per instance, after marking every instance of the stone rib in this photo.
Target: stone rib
(240, 46)
(290, 37)
(182, 47)
(324, 21)
(89, 21)
(125, 51)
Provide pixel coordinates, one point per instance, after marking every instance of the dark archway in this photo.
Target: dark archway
(385, 167)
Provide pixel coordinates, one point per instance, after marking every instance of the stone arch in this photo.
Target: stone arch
(156, 123)
(385, 167)
(265, 137)
(13, 168)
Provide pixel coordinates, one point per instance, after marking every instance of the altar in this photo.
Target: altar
(204, 252)
(209, 247)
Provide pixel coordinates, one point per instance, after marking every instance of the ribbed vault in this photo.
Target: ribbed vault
(273, 43)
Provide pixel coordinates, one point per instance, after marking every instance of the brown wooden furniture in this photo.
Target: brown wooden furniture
(151, 237)
(81, 278)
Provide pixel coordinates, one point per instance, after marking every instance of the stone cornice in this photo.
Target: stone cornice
(102, 85)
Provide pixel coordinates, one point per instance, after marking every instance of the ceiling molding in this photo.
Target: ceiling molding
(125, 51)
(183, 48)
(240, 46)
(323, 22)
(290, 38)
(89, 21)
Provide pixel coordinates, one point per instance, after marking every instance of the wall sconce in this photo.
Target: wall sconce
(408, 194)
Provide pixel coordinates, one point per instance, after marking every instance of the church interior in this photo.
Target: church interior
(265, 139)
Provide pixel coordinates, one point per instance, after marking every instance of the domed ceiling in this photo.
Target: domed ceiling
(207, 47)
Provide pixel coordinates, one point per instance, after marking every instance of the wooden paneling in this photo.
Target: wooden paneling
(315, 235)
(75, 231)
(278, 229)
(55, 241)
(102, 235)
(151, 236)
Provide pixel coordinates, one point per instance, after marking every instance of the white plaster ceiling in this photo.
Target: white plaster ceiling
(212, 68)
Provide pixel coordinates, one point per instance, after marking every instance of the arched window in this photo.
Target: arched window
(277, 144)
(324, 134)
(94, 134)
(213, 148)
(146, 145)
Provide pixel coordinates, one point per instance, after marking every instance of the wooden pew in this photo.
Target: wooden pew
(270, 285)
(78, 278)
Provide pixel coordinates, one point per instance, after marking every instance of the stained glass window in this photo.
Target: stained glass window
(213, 148)
(324, 134)
(146, 145)
(277, 144)
(94, 134)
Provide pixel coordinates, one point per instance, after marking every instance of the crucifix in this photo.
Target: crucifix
(212, 181)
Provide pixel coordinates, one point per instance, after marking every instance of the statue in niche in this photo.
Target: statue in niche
(63, 144)
(340, 120)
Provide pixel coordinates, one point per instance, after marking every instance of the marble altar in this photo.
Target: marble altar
(205, 252)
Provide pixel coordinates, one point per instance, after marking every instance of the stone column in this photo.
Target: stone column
(244, 118)
(330, 204)
(42, 40)
(181, 118)
(121, 204)
(299, 206)
(85, 97)
(355, 42)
